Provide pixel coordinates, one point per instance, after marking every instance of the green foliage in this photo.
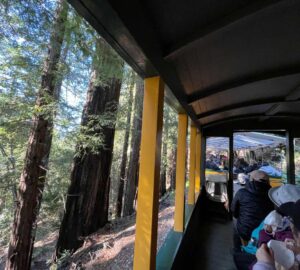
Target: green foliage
(23, 47)
(15, 120)
(170, 123)
(107, 63)
(90, 136)
(58, 177)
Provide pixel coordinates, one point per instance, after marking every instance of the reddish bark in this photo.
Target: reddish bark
(133, 166)
(172, 169)
(33, 176)
(124, 152)
(88, 194)
(163, 171)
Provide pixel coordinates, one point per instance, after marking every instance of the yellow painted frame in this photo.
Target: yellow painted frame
(191, 193)
(180, 173)
(198, 160)
(149, 172)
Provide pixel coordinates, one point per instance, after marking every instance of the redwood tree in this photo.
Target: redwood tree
(172, 168)
(133, 166)
(164, 158)
(125, 148)
(88, 194)
(33, 176)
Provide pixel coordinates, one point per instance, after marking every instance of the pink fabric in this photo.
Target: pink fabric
(264, 237)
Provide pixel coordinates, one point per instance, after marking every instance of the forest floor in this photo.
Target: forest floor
(111, 248)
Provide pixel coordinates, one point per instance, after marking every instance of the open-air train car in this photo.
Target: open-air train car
(230, 65)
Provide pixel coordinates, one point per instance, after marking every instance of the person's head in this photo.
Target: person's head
(259, 176)
(286, 199)
(292, 210)
(284, 194)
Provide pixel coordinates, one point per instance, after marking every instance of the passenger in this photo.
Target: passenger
(240, 166)
(252, 167)
(265, 256)
(212, 165)
(276, 226)
(225, 163)
(265, 260)
(279, 195)
(250, 206)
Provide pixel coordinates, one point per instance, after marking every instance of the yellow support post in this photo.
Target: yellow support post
(191, 194)
(180, 173)
(148, 188)
(197, 170)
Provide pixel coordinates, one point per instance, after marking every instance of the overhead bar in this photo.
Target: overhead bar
(270, 101)
(251, 116)
(255, 77)
(232, 17)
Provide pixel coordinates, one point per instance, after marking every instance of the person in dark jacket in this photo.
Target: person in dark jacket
(250, 206)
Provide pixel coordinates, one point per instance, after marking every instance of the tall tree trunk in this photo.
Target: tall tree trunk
(125, 149)
(172, 169)
(163, 174)
(133, 166)
(33, 175)
(88, 194)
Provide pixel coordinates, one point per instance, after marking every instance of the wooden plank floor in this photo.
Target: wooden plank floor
(214, 245)
(207, 241)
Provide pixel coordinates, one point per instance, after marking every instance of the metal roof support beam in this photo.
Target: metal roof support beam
(292, 97)
(251, 116)
(223, 22)
(241, 105)
(294, 94)
(273, 109)
(275, 73)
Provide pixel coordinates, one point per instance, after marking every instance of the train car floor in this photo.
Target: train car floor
(214, 246)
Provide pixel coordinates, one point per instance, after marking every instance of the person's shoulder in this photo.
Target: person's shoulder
(242, 191)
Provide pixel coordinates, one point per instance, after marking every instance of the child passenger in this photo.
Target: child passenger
(290, 209)
(264, 255)
(279, 225)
